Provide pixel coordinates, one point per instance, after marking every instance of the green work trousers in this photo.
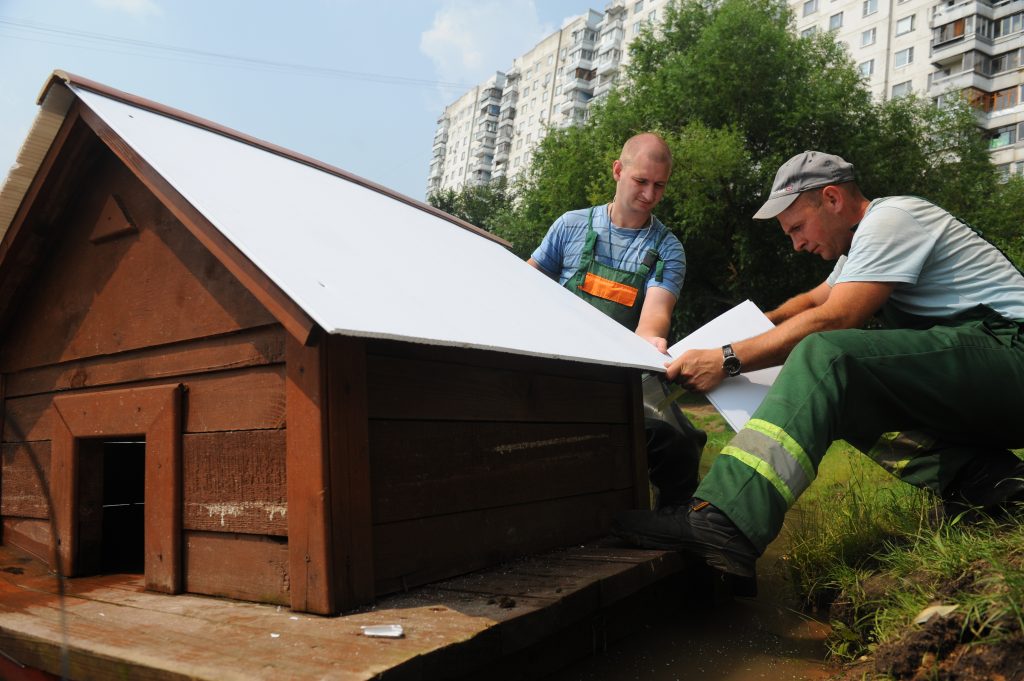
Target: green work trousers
(962, 383)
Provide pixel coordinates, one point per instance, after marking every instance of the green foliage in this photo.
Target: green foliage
(479, 205)
(881, 551)
(999, 217)
(735, 93)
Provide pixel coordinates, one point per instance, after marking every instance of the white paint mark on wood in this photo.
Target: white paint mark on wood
(237, 509)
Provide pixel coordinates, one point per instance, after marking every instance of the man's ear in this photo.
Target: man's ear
(616, 169)
(832, 197)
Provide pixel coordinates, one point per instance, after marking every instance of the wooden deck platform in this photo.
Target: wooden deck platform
(485, 625)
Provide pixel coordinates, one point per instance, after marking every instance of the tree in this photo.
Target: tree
(479, 205)
(735, 93)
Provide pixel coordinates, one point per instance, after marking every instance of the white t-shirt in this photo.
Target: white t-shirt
(941, 266)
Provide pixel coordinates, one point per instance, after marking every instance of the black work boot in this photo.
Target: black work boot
(698, 528)
(989, 485)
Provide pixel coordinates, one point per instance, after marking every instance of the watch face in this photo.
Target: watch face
(731, 365)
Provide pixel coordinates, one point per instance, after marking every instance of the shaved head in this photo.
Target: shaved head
(647, 146)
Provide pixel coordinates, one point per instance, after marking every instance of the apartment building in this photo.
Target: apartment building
(889, 40)
(550, 86)
(977, 51)
(935, 48)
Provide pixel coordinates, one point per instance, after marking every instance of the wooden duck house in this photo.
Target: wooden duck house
(242, 372)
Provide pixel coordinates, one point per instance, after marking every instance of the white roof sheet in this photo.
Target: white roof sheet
(362, 263)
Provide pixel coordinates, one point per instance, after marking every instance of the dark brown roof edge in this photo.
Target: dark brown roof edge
(62, 77)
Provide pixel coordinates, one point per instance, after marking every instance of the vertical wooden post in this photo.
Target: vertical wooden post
(307, 462)
(164, 509)
(352, 507)
(64, 492)
(641, 483)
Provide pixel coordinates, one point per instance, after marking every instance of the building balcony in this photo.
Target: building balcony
(502, 152)
(578, 84)
(607, 67)
(509, 99)
(939, 83)
(958, 9)
(507, 114)
(485, 133)
(484, 147)
(505, 131)
(969, 43)
(603, 88)
(490, 95)
(570, 106)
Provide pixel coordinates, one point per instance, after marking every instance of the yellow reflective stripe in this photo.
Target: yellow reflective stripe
(789, 444)
(763, 469)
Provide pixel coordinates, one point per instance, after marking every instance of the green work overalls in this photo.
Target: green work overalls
(674, 445)
(961, 381)
(617, 293)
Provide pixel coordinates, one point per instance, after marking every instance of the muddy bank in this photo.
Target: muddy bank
(716, 638)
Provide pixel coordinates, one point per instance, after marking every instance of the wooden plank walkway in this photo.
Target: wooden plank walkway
(112, 628)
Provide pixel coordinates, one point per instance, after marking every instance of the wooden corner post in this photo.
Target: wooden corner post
(329, 534)
(307, 465)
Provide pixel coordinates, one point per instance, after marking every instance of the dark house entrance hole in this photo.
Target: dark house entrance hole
(111, 505)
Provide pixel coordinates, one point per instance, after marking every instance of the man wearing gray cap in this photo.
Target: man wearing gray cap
(913, 396)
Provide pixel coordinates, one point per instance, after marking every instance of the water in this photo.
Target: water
(731, 639)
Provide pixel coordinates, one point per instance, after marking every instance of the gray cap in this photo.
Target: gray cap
(809, 170)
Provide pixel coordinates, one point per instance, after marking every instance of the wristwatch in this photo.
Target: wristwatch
(731, 364)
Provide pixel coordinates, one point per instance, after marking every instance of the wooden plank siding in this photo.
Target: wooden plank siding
(139, 308)
(479, 457)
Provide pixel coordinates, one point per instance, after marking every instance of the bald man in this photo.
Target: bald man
(622, 260)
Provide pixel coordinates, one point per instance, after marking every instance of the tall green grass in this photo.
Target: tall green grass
(885, 550)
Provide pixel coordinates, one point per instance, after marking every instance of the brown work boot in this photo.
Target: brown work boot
(698, 528)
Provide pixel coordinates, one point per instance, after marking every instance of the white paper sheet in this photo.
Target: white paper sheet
(735, 398)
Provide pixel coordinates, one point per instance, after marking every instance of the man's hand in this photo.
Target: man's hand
(660, 343)
(697, 370)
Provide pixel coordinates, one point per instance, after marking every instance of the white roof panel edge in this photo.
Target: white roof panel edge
(363, 263)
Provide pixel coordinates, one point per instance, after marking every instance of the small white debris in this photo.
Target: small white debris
(933, 610)
(384, 631)
(272, 635)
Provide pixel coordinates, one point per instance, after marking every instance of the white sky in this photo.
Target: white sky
(358, 84)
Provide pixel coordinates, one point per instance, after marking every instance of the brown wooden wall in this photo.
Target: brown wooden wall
(127, 297)
(477, 457)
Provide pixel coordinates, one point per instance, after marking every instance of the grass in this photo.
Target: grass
(878, 551)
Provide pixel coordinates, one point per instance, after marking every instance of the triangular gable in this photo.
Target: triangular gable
(359, 261)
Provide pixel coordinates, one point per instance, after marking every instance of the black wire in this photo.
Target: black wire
(103, 42)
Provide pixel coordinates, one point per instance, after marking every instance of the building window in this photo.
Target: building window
(901, 89)
(1002, 137)
(905, 25)
(835, 22)
(808, 32)
(652, 17)
(636, 28)
(904, 57)
(810, 7)
(868, 37)
(870, 7)
(638, 7)
(867, 68)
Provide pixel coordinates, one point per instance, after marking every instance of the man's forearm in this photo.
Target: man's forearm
(791, 308)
